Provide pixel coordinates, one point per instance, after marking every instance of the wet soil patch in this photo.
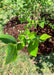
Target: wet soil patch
(14, 26)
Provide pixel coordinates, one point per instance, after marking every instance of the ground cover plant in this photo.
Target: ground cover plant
(24, 8)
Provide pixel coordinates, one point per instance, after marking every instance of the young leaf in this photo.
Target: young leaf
(36, 21)
(32, 35)
(33, 47)
(32, 21)
(22, 38)
(29, 25)
(28, 19)
(20, 46)
(41, 24)
(7, 38)
(27, 32)
(44, 37)
(11, 53)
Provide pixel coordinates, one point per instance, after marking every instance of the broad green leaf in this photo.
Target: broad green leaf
(32, 35)
(11, 53)
(27, 32)
(33, 47)
(45, 37)
(20, 46)
(41, 24)
(7, 38)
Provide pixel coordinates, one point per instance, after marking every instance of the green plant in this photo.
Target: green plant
(24, 9)
(21, 65)
(28, 10)
(40, 22)
(48, 7)
(31, 40)
(51, 25)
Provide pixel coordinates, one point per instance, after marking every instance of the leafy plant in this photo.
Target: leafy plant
(52, 26)
(40, 22)
(32, 43)
(26, 10)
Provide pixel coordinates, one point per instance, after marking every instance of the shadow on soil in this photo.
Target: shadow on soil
(44, 62)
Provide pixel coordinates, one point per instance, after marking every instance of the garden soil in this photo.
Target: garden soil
(14, 26)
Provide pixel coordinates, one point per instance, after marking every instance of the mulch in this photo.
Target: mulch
(14, 25)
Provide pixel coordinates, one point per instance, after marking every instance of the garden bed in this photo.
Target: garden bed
(14, 26)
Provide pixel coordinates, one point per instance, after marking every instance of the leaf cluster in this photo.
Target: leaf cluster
(27, 10)
(27, 39)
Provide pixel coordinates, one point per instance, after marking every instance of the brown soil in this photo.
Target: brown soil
(14, 25)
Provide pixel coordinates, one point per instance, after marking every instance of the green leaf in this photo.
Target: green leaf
(7, 38)
(29, 25)
(32, 21)
(45, 37)
(52, 26)
(25, 27)
(41, 24)
(36, 21)
(22, 38)
(27, 32)
(20, 46)
(11, 53)
(32, 35)
(28, 19)
(33, 47)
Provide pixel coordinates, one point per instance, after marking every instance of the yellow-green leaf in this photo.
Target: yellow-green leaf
(45, 36)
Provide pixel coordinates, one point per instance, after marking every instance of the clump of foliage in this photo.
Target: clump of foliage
(31, 40)
(27, 10)
(24, 9)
